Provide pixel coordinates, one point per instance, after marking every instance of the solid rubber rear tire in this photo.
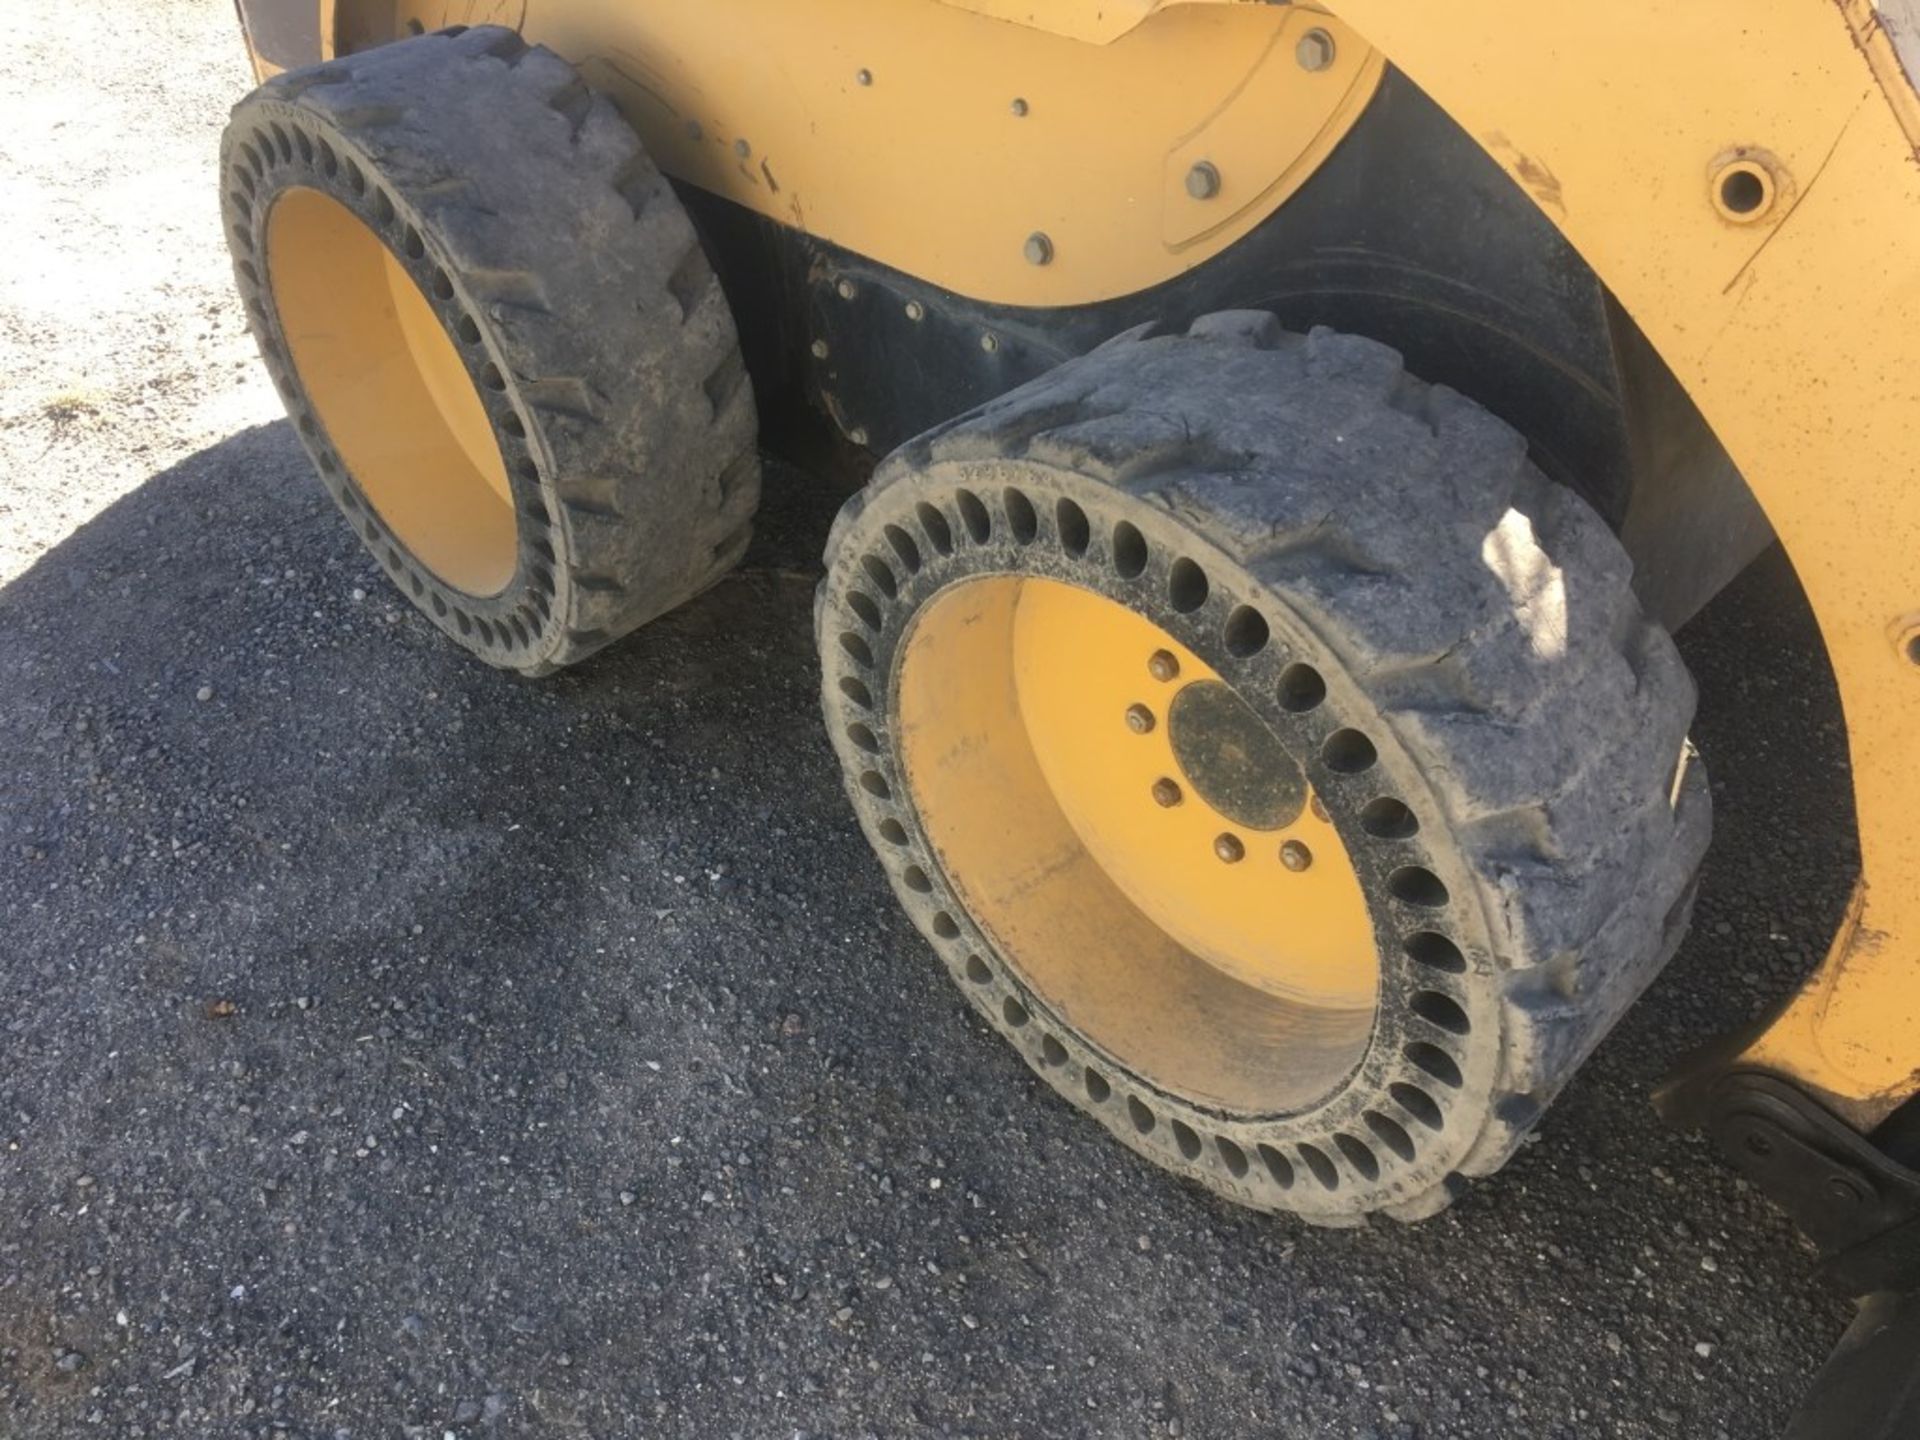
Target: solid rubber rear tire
(1472, 620)
(565, 270)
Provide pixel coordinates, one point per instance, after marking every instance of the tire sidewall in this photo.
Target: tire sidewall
(1338, 1127)
(272, 147)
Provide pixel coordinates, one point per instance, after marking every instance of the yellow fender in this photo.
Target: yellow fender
(1744, 178)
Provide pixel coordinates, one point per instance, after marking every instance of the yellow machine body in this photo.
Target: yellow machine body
(1796, 329)
(1743, 179)
(939, 140)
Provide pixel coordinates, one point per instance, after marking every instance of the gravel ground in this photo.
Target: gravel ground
(388, 1047)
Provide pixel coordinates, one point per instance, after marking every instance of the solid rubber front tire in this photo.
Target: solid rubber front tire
(570, 280)
(1469, 621)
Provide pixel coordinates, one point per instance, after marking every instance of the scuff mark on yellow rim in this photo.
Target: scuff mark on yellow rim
(1038, 740)
(392, 392)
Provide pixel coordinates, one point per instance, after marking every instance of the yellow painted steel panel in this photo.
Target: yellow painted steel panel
(940, 141)
(1095, 20)
(1796, 330)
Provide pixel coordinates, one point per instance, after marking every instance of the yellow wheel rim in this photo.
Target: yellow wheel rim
(1214, 938)
(392, 391)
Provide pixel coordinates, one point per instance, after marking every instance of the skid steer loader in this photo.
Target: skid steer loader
(1303, 425)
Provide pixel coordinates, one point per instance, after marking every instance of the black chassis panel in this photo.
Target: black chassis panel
(1409, 234)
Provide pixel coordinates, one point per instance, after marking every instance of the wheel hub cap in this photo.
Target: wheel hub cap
(1232, 760)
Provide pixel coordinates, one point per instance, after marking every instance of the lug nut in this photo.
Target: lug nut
(1165, 793)
(1139, 719)
(1315, 50)
(1162, 665)
(1295, 856)
(1203, 181)
(1038, 249)
(845, 290)
(863, 77)
(1229, 849)
(989, 342)
(916, 311)
(819, 348)
(1019, 108)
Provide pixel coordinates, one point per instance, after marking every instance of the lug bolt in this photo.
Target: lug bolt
(845, 290)
(819, 348)
(1163, 665)
(1315, 50)
(1038, 249)
(916, 312)
(1295, 856)
(858, 435)
(1139, 719)
(1019, 108)
(1166, 793)
(1228, 848)
(1203, 181)
(864, 77)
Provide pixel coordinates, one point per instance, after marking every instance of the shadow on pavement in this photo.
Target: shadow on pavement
(389, 1042)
